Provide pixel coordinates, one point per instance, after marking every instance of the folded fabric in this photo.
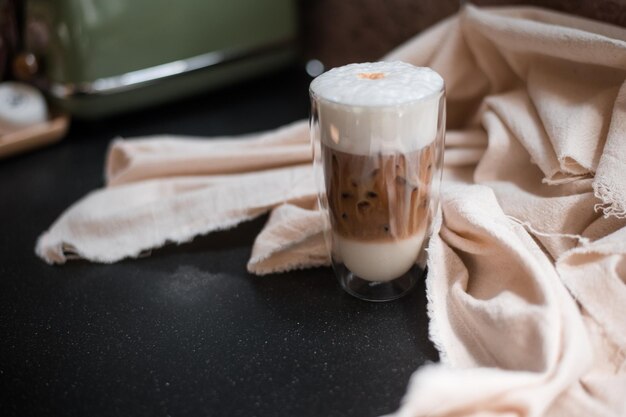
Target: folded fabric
(527, 274)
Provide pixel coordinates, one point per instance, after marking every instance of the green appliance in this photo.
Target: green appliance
(98, 57)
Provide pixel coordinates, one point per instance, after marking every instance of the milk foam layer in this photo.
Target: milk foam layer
(381, 107)
(377, 84)
(378, 261)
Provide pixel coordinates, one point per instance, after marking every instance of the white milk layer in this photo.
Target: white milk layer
(380, 107)
(378, 261)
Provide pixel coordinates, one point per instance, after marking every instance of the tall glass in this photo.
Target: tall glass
(377, 131)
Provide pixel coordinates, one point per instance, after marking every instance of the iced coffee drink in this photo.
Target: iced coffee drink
(377, 132)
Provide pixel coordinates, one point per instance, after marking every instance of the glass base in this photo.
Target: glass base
(378, 291)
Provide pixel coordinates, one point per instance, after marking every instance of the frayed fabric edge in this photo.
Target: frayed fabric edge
(259, 270)
(434, 334)
(581, 239)
(610, 206)
(55, 253)
(255, 264)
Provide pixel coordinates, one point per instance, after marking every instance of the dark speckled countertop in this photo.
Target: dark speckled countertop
(186, 331)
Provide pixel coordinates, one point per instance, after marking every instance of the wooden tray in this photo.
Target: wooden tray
(34, 136)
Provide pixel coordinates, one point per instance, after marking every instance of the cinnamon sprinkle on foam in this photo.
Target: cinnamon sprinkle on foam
(371, 75)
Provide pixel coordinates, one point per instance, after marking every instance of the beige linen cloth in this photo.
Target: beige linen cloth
(526, 289)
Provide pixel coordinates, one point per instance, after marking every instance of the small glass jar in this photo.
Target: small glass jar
(377, 131)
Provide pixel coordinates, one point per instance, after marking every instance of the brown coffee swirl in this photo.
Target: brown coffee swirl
(378, 197)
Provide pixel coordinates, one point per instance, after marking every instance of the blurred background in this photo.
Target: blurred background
(92, 59)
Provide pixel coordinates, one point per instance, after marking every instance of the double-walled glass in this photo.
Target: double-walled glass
(378, 199)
